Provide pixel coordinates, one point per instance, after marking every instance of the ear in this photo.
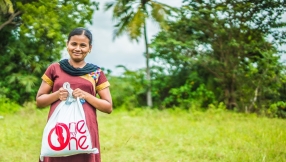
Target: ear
(90, 47)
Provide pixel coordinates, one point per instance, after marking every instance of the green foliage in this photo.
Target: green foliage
(7, 106)
(131, 18)
(35, 39)
(128, 89)
(6, 7)
(186, 97)
(277, 109)
(217, 108)
(228, 46)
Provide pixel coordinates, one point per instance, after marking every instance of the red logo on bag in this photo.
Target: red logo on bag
(65, 134)
(59, 132)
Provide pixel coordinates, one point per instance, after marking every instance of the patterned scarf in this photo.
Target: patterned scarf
(88, 68)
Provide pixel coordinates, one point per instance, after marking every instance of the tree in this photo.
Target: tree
(227, 42)
(131, 16)
(129, 92)
(34, 39)
(7, 13)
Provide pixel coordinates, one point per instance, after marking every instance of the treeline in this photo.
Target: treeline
(214, 52)
(208, 53)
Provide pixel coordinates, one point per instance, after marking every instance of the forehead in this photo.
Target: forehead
(79, 39)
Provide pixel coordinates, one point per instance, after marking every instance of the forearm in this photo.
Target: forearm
(100, 104)
(45, 100)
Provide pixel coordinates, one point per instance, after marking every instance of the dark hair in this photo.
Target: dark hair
(80, 31)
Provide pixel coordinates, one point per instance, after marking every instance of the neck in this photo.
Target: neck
(74, 64)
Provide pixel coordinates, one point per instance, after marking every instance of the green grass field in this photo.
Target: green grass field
(159, 136)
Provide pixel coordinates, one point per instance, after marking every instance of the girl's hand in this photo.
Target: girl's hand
(79, 93)
(63, 94)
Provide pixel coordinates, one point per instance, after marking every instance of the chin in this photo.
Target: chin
(77, 59)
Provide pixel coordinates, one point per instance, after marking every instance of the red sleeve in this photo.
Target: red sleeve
(48, 76)
(102, 82)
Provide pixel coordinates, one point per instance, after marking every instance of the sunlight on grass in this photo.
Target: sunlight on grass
(158, 136)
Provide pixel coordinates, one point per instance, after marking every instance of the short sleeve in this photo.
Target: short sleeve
(48, 76)
(102, 82)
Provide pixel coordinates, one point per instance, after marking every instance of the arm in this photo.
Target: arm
(103, 104)
(45, 97)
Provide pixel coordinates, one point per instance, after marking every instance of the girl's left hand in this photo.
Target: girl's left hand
(79, 93)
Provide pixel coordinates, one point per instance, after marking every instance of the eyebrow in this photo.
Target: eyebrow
(79, 43)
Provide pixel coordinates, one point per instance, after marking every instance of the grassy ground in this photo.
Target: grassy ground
(159, 136)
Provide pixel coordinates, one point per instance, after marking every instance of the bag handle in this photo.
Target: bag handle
(70, 98)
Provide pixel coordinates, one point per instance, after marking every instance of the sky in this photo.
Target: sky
(109, 53)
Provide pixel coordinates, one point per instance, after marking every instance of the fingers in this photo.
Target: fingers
(63, 94)
(79, 93)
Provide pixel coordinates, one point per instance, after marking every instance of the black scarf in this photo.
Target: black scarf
(88, 68)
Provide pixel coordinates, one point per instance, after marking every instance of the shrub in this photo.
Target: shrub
(277, 109)
(7, 106)
(187, 98)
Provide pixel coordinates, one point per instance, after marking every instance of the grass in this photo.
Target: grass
(159, 136)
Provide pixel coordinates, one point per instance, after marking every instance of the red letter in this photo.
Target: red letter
(76, 147)
(80, 125)
(59, 132)
(81, 142)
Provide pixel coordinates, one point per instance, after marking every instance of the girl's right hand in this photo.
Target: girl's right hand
(63, 94)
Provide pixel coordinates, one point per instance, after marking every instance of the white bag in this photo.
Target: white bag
(66, 132)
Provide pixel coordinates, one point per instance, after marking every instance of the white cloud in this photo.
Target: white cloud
(108, 53)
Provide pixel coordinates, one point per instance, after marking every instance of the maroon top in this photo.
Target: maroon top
(55, 77)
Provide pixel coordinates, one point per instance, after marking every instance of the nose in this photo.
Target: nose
(77, 48)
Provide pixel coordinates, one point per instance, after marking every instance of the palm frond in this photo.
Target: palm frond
(160, 12)
(122, 24)
(136, 24)
(132, 14)
(120, 11)
(6, 7)
(108, 5)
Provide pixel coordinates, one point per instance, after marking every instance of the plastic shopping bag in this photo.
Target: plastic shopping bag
(66, 132)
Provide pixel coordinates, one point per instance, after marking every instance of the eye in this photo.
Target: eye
(83, 45)
(73, 43)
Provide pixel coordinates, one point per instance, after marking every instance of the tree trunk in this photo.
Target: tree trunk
(229, 92)
(148, 78)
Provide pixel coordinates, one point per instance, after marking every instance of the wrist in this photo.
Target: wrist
(85, 96)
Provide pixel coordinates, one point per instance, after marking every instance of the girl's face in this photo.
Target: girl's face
(78, 47)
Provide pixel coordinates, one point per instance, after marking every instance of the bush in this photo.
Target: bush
(7, 106)
(187, 98)
(277, 109)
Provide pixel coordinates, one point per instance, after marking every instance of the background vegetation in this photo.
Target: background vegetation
(206, 53)
(213, 89)
(32, 36)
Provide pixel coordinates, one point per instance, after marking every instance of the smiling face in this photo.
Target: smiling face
(78, 47)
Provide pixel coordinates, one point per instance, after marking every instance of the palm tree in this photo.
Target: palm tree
(131, 16)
